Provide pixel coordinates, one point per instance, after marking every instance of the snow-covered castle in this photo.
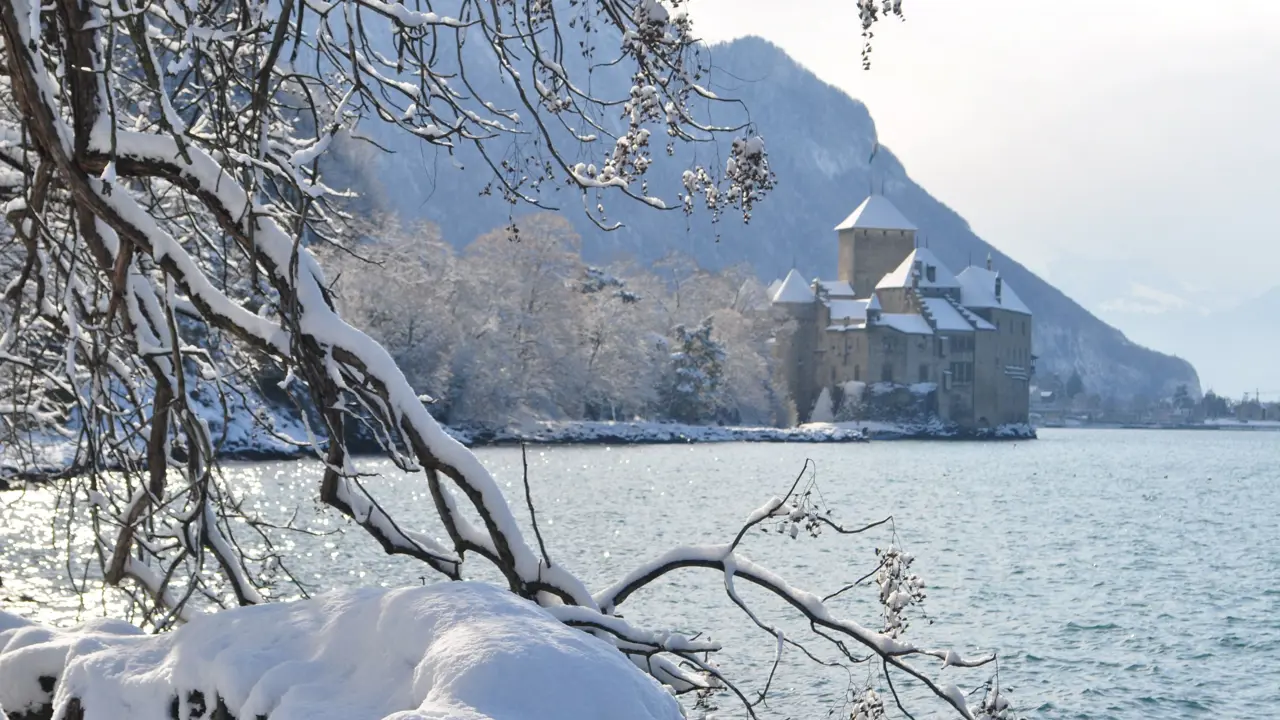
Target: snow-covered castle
(961, 343)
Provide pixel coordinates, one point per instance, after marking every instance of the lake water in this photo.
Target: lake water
(1121, 574)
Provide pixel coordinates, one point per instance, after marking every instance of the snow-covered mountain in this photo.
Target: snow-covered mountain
(820, 143)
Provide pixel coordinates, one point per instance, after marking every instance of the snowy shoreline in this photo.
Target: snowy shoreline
(644, 433)
(250, 447)
(654, 433)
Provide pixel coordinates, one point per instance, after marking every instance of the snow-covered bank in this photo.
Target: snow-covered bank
(249, 429)
(645, 433)
(464, 651)
(1233, 424)
(654, 433)
(931, 430)
(242, 442)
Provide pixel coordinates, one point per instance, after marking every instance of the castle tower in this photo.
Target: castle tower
(874, 240)
(796, 307)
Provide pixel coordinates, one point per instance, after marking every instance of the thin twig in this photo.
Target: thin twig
(894, 690)
(528, 498)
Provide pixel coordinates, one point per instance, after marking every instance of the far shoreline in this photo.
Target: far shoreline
(581, 434)
(1256, 426)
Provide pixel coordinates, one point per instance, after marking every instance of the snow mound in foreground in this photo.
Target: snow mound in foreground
(457, 651)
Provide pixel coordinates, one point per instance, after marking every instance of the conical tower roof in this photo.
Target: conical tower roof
(876, 213)
(794, 290)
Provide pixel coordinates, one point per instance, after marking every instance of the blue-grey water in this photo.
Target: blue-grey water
(1120, 574)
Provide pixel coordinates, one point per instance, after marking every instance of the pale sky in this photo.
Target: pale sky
(1127, 151)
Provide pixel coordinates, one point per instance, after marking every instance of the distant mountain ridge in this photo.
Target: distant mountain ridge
(820, 141)
(1227, 343)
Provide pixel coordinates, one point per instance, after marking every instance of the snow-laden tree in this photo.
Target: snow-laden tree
(163, 190)
(617, 334)
(520, 295)
(691, 389)
(587, 341)
(402, 287)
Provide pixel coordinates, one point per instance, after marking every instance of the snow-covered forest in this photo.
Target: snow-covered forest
(517, 325)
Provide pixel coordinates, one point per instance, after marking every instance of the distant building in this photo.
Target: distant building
(897, 315)
(1255, 411)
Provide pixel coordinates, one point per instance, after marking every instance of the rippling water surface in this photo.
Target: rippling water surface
(1121, 574)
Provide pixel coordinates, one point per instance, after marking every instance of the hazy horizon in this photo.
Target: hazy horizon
(1129, 159)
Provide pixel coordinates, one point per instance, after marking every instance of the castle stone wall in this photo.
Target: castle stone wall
(867, 255)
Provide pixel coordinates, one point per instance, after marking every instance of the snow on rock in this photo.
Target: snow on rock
(457, 650)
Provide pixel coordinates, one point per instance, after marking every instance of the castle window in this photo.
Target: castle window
(931, 273)
(857, 373)
(962, 372)
(924, 373)
(886, 372)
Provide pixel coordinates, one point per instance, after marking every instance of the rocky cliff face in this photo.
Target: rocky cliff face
(820, 142)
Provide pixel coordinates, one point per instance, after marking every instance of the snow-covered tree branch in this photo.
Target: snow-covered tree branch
(162, 167)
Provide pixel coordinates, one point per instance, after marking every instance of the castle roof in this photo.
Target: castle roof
(978, 290)
(837, 289)
(848, 310)
(909, 323)
(945, 316)
(975, 319)
(794, 290)
(925, 259)
(876, 213)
